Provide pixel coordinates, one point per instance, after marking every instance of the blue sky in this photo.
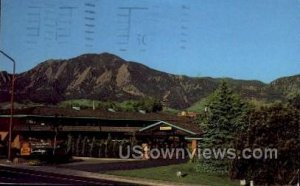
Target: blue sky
(244, 39)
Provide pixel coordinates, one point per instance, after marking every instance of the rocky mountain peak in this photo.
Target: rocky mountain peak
(108, 77)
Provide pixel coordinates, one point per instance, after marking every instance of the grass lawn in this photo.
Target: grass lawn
(168, 173)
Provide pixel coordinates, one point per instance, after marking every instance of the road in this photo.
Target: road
(15, 176)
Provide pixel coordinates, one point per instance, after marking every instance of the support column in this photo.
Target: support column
(194, 144)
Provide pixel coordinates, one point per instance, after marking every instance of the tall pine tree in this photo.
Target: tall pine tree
(224, 116)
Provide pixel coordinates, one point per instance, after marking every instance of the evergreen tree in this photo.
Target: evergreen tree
(224, 116)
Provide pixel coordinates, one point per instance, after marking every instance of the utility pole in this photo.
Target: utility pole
(11, 102)
(0, 15)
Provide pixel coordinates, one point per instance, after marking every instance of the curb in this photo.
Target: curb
(105, 159)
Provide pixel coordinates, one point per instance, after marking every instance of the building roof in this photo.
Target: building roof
(181, 122)
(169, 124)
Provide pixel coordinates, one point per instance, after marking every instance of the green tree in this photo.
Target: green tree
(149, 105)
(294, 100)
(224, 116)
(275, 127)
(155, 105)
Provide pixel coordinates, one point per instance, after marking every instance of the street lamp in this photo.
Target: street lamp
(11, 103)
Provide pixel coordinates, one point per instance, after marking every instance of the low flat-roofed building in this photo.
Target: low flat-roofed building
(87, 131)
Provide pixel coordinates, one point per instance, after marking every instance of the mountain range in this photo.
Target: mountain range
(108, 77)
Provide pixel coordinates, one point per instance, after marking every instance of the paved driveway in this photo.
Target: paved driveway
(106, 165)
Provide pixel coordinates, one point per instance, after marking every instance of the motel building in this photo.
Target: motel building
(94, 133)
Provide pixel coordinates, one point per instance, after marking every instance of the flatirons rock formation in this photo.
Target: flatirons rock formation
(108, 77)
